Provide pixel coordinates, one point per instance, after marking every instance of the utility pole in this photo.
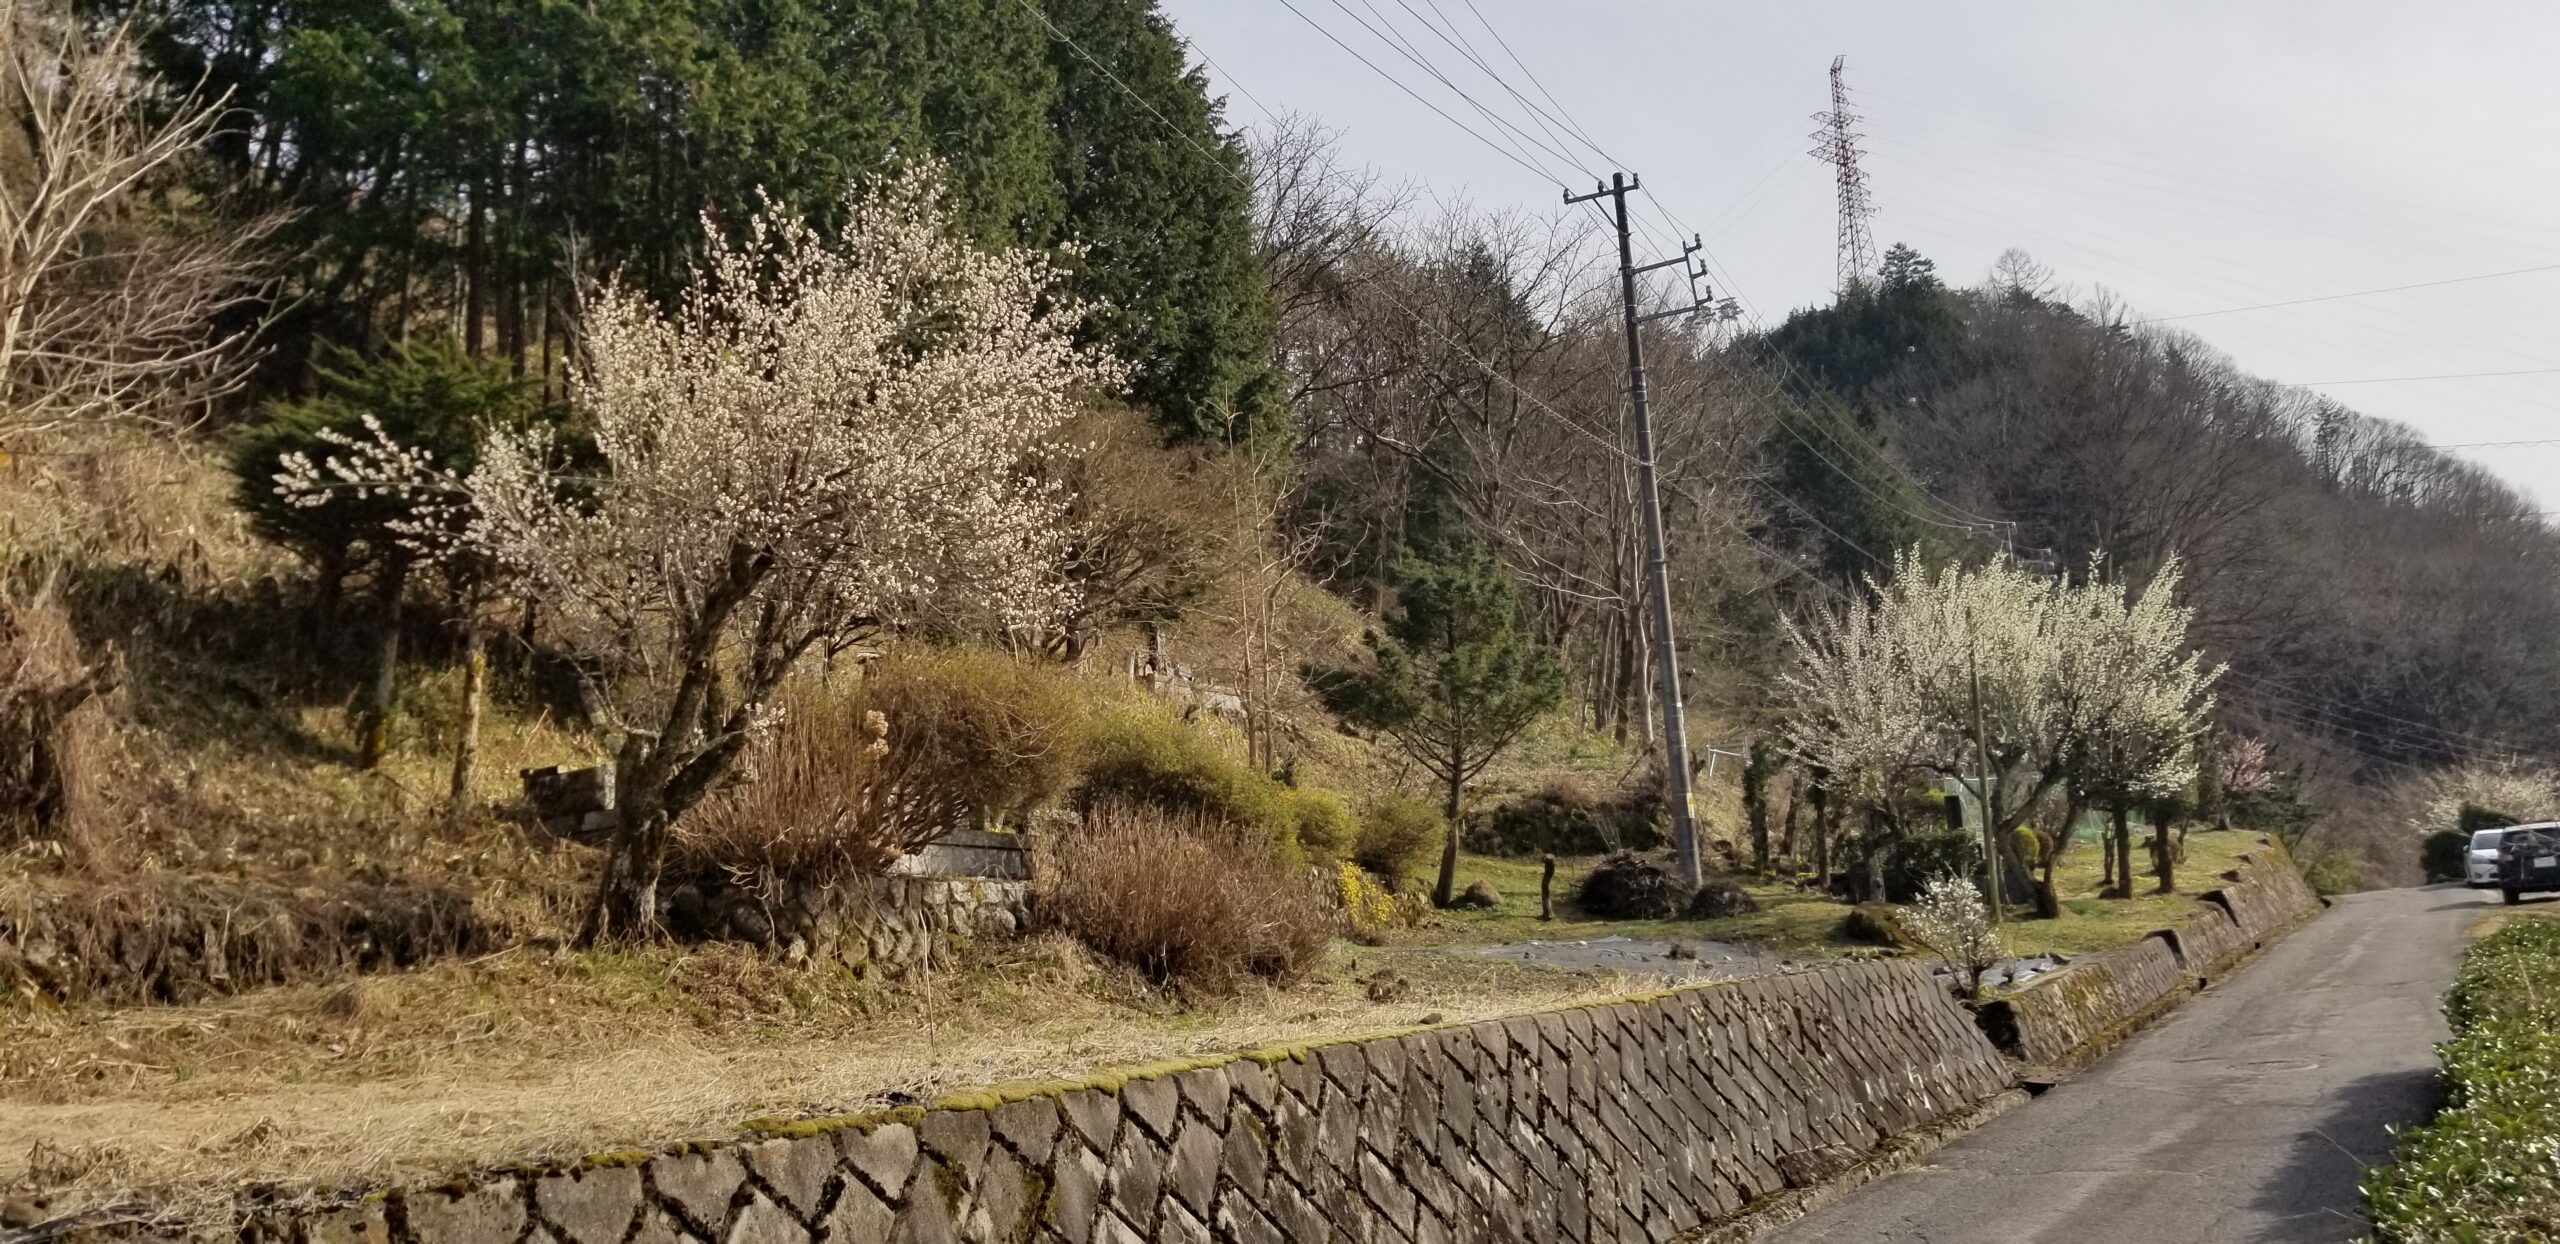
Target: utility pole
(1675, 729)
(1987, 795)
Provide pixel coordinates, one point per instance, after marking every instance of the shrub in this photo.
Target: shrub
(1187, 900)
(1567, 816)
(1877, 924)
(50, 725)
(1396, 835)
(2483, 1169)
(1910, 863)
(140, 937)
(1719, 899)
(1139, 754)
(825, 795)
(992, 731)
(1373, 910)
(2335, 871)
(1629, 886)
(1951, 919)
(2445, 854)
(1326, 830)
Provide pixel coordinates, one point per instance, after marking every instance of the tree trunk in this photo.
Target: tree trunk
(2123, 847)
(466, 750)
(1821, 838)
(373, 736)
(2048, 895)
(1795, 805)
(1445, 893)
(1755, 805)
(2163, 856)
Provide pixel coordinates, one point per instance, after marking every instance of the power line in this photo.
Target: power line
(1336, 40)
(2360, 293)
(2459, 375)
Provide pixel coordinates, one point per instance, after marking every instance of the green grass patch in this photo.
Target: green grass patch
(2487, 1167)
(1803, 923)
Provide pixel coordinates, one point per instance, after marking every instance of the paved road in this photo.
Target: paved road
(2245, 1116)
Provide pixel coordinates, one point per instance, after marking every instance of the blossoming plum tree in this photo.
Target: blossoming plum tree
(822, 438)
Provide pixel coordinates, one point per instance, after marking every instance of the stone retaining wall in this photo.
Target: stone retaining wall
(1626, 1122)
(2081, 1007)
(888, 924)
(2076, 1014)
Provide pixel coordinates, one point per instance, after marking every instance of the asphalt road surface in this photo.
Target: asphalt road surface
(2247, 1115)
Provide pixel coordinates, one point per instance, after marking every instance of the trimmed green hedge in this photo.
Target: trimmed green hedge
(2487, 1168)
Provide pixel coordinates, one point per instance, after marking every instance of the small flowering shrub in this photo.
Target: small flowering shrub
(1951, 919)
(2487, 1167)
(1370, 908)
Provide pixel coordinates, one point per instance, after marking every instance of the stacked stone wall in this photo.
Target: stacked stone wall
(889, 924)
(1627, 1122)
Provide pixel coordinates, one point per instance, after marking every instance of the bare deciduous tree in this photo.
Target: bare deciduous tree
(112, 300)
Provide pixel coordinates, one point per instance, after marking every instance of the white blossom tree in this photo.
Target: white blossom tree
(2150, 699)
(824, 437)
(1890, 690)
(1952, 921)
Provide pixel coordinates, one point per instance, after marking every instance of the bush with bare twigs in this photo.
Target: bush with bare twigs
(1190, 902)
(824, 795)
(999, 734)
(50, 723)
(155, 937)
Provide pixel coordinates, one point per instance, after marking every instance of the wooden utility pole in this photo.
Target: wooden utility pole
(1985, 792)
(1675, 729)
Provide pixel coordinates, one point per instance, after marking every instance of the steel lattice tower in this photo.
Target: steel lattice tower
(1836, 144)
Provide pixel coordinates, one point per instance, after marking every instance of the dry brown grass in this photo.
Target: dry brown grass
(52, 726)
(533, 1055)
(163, 937)
(1187, 900)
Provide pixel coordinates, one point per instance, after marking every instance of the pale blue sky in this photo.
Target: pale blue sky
(2189, 155)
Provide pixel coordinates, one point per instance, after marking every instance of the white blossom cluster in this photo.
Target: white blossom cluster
(1951, 919)
(2083, 682)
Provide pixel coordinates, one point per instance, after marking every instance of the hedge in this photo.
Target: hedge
(2487, 1167)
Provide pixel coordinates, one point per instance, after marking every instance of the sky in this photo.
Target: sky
(2186, 156)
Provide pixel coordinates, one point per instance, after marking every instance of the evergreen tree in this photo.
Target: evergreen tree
(1454, 679)
(427, 395)
(1167, 222)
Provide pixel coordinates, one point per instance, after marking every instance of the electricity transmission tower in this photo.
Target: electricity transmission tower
(1675, 724)
(1836, 144)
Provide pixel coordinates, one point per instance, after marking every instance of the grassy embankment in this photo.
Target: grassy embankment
(1799, 922)
(2486, 1169)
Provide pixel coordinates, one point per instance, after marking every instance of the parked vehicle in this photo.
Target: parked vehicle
(2480, 860)
(2528, 861)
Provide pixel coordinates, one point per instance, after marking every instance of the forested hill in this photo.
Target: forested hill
(2383, 599)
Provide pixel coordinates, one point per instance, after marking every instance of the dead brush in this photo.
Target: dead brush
(824, 796)
(174, 938)
(51, 726)
(1191, 902)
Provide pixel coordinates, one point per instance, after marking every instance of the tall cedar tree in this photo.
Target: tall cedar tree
(1454, 680)
(427, 395)
(453, 157)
